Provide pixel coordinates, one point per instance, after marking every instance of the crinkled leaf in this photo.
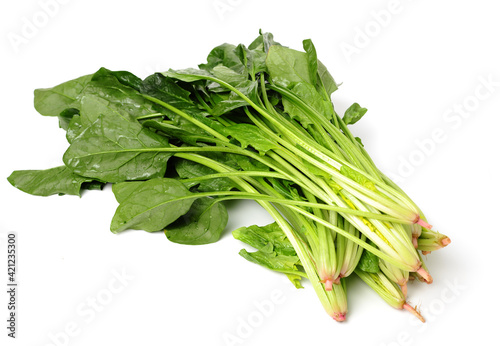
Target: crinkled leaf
(152, 205)
(202, 224)
(248, 134)
(279, 263)
(275, 251)
(58, 180)
(268, 239)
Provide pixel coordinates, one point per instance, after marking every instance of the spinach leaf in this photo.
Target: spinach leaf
(150, 205)
(58, 180)
(53, 101)
(113, 149)
(202, 224)
(353, 114)
(191, 170)
(369, 262)
(224, 55)
(275, 251)
(248, 134)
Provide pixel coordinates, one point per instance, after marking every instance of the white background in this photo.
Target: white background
(411, 63)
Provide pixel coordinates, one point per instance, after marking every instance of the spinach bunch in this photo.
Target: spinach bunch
(255, 123)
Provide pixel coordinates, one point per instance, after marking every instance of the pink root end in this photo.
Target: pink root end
(445, 241)
(415, 313)
(339, 316)
(425, 252)
(425, 275)
(328, 284)
(423, 223)
(414, 241)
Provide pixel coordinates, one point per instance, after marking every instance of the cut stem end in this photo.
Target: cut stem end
(425, 275)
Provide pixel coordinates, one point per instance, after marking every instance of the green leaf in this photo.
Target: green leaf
(310, 95)
(191, 170)
(288, 66)
(254, 60)
(58, 180)
(369, 262)
(123, 190)
(187, 75)
(151, 206)
(312, 60)
(326, 79)
(223, 55)
(248, 134)
(275, 251)
(279, 263)
(268, 239)
(263, 42)
(353, 114)
(108, 94)
(202, 224)
(167, 90)
(53, 101)
(74, 128)
(113, 149)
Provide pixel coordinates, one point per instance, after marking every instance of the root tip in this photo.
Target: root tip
(415, 313)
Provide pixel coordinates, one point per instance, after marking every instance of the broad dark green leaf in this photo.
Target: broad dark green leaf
(202, 224)
(310, 95)
(124, 189)
(353, 114)
(58, 180)
(165, 89)
(110, 95)
(74, 128)
(150, 205)
(224, 55)
(113, 149)
(191, 170)
(53, 101)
